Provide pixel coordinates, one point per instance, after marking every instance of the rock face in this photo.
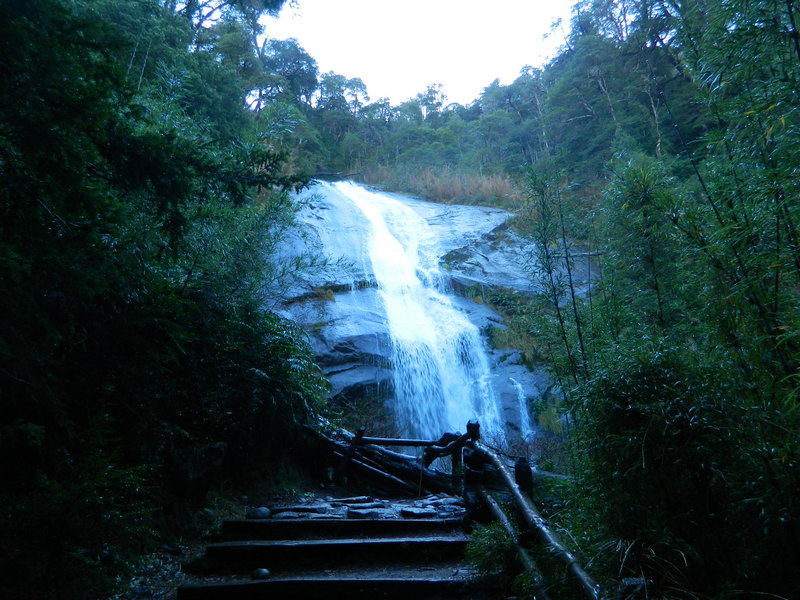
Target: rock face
(341, 309)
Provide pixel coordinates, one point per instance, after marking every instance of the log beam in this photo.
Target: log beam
(547, 537)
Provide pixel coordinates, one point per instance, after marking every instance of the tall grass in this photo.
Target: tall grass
(447, 185)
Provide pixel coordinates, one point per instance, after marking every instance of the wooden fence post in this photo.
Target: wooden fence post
(338, 476)
(458, 471)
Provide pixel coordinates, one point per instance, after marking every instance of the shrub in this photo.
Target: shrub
(667, 458)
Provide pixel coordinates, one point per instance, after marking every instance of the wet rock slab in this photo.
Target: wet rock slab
(343, 313)
(366, 507)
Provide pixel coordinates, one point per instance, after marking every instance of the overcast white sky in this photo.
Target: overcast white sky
(399, 47)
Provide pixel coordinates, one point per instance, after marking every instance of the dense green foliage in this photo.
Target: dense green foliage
(679, 368)
(140, 204)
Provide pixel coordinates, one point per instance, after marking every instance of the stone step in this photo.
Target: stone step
(295, 529)
(348, 548)
(333, 588)
(243, 556)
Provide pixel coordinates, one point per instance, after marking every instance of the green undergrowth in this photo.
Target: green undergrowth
(492, 553)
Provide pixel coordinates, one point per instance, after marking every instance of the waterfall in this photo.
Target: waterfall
(441, 368)
(526, 431)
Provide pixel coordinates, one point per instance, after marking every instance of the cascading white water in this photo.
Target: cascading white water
(441, 369)
(526, 431)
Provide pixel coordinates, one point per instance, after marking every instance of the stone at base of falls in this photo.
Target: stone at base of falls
(449, 510)
(446, 501)
(262, 512)
(260, 574)
(368, 513)
(351, 500)
(412, 512)
(300, 508)
(288, 515)
(367, 505)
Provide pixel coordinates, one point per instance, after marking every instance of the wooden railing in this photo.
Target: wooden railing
(396, 468)
(449, 444)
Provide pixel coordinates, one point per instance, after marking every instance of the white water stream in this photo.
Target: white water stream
(526, 430)
(441, 368)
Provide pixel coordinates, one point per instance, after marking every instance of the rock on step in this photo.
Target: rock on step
(376, 512)
(413, 512)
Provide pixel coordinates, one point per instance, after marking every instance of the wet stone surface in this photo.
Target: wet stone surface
(343, 312)
(366, 507)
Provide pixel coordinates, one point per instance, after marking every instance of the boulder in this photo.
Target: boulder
(261, 512)
(260, 574)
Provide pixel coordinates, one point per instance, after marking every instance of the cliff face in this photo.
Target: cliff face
(343, 308)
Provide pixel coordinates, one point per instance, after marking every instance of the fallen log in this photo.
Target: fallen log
(380, 477)
(399, 466)
(410, 470)
(406, 467)
(541, 529)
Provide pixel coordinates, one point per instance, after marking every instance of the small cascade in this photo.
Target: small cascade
(441, 368)
(525, 428)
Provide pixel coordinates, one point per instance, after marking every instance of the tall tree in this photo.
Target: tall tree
(139, 211)
(289, 71)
